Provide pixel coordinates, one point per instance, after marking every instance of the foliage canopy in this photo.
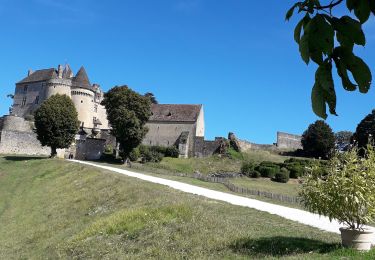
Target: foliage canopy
(127, 113)
(365, 131)
(326, 40)
(318, 140)
(56, 122)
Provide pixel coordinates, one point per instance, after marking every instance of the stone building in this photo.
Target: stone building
(39, 85)
(178, 125)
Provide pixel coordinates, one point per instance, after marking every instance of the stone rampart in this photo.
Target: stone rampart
(25, 143)
(203, 148)
(288, 141)
(15, 123)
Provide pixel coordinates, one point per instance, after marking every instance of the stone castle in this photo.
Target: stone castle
(169, 125)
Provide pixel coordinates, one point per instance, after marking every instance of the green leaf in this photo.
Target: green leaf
(321, 34)
(324, 80)
(362, 10)
(372, 6)
(297, 31)
(350, 4)
(289, 14)
(318, 101)
(316, 56)
(343, 73)
(361, 73)
(350, 29)
(304, 48)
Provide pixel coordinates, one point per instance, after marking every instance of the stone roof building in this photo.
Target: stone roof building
(178, 125)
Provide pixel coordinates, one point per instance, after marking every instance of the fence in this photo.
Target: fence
(236, 189)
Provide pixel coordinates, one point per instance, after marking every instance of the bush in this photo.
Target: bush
(247, 168)
(295, 170)
(158, 149)
(134, 154)
(282, 176)
(347, 192)
(152, 156)
(255, 174)
(267, 171)
(270, 164)
(172, 151)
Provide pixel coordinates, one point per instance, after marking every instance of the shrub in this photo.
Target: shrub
(255, 174)
(268, 172)
(270, 164)
(158, 149)
(152, 156)
(347, 192)
(134, 154)
(295, 170)
(247, 168)
(282, 176)
(172, 151)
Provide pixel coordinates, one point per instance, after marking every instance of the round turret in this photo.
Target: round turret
(83, 100)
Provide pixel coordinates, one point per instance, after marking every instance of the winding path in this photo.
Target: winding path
(297, 215)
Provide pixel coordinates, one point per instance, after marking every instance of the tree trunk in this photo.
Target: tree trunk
(53, 152)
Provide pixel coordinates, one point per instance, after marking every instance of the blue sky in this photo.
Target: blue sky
(238, 58)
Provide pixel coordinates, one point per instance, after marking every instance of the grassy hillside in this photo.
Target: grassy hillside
(56, 209)
(213, 164)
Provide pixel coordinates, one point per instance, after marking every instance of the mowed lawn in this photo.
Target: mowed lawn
(53, 209)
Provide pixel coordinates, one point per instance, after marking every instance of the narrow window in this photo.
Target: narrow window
(23, 101)
(95, 108)
(37, 100)
(25, 88)
(81, 101)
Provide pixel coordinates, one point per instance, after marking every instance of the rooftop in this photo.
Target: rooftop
(175, 113)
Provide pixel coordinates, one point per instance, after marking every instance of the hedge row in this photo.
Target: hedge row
(153, 153)
(280, 172)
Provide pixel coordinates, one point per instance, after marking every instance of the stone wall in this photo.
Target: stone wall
(246, 146)
(17, 137)
(25, 143)
(288, 141)
(88, 149)
(203, 148)
(167, 134)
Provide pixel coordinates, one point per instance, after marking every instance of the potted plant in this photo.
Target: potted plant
(345, 191)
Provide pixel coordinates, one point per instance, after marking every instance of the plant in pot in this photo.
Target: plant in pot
(345, 191)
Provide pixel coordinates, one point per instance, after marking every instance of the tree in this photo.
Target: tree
(365, 130)
(127, 113)
(317, 43)
(318, 140)
(56, 122)
(152, 97)
(342, 140)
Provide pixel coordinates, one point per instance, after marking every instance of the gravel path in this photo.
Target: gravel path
(297, 215)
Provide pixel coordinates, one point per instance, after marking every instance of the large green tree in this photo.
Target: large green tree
(318, 140)
(327, 39)
(365, 131)
(56, 122)
(127, 113)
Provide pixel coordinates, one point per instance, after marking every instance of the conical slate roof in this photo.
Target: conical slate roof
(81, 79)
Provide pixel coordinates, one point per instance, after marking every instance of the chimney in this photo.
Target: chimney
(30, 72)
(59, 71)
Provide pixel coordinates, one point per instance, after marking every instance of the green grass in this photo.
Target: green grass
(52, 209)
(215, 163)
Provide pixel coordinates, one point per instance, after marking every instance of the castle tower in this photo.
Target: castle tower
(83, 97)
(59, 84)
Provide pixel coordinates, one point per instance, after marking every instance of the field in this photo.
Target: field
(55, 209)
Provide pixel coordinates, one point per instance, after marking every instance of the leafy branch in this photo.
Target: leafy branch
(315, 34)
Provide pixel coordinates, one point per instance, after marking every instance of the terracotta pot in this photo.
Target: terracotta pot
(357, 239)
